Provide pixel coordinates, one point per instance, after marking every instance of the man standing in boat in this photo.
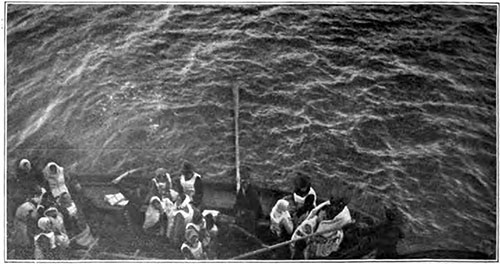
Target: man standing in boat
(248, 208)
(191, 184)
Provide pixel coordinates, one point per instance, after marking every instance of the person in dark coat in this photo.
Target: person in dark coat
(27, 183)
(247, 207)
(136, 194)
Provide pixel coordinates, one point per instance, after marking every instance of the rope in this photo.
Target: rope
(236, 136)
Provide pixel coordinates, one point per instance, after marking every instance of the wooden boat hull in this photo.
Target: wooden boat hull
(217, 196)
(362, 240)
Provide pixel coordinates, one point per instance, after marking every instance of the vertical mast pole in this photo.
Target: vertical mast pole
(236, 95)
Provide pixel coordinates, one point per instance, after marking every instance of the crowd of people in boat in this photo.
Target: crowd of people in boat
(47, 221)
(297, 216)
(175, 211)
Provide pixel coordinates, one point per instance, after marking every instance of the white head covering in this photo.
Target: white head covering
(45, 223)
(280, 210)
(46, 170)
(154, 198)
(50, 209)
(163, 172)
(25, 164)
(56, 180)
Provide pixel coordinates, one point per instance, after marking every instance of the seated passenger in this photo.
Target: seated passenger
(302, 188)
(45, 242)
(54, 175)
(200, 226)
(281, 219)
(193, 248)
(213, 232)
(389, 234)
(156, 213)
(136, 195)
(307, 227)
(161, 185)
(57, 225)
(25, 225)
(303, 211)
(335, 216)
(30, 180)
(27, 182)
(74, 221)
(191, 184)
(183, 215)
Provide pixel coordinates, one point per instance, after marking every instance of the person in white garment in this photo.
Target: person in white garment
(182, 215)
(192, 248)
(302, 188)
(45, 242)
(161, 185)
(57, 224)
(191, 184)
(281, 220)
(335, 217)
(54, 174)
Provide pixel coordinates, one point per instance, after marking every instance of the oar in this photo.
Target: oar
(248, 234)
(123, 175)
(262, 250)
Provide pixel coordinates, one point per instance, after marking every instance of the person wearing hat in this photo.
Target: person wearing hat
(247, 207)
(136, 194)
(192, 248)
(389, 234)
(191, 184)
(302, 188)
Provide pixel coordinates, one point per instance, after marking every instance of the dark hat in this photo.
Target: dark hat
(301, 181)
(393, 214)
(187, 167)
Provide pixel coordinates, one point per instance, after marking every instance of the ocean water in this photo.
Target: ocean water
(392, 105)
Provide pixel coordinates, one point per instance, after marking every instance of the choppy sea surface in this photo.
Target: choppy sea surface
(393, 104)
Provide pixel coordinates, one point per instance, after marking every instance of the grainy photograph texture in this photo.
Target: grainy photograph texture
(250, 131)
